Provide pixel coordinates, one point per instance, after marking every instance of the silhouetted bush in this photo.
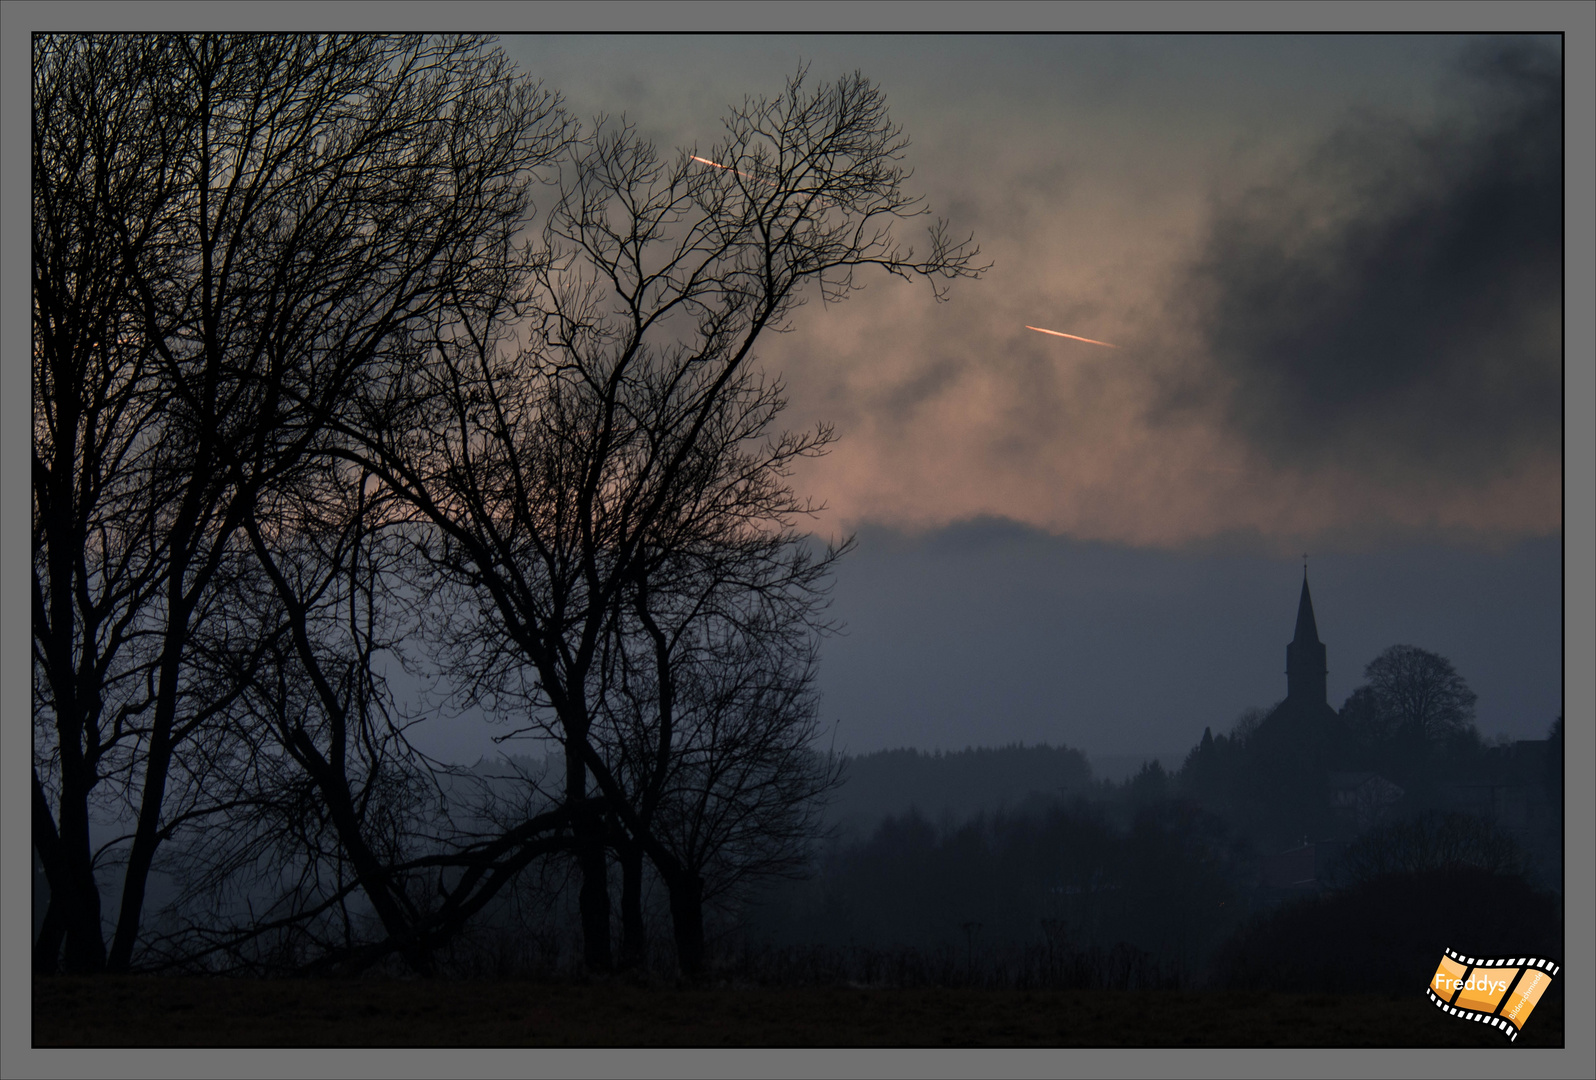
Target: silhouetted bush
(1430, 841)
(1388, 933)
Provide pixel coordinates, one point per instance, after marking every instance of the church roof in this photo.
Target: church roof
(1307, 629)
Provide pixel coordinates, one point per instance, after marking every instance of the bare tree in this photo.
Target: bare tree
(741, 795)
(244, 230)
(550, 463)
(347, 584)
(708, 719)
(103, 181)
(332, 569)
(270, 268)
(1411, 692)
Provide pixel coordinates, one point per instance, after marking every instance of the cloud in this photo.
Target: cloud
(1392, 304)
(1361, 344)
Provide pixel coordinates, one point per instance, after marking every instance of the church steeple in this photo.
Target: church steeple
(1305, 656)
(1307, 629)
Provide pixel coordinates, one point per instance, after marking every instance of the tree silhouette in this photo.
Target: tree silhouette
(576, 441)
(1413, 693)
(711, 720)
(98, 163)
(231, 235)
(310, 371)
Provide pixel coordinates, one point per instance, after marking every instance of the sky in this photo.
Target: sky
(1331, 266)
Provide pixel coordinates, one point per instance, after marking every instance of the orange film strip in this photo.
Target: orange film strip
(1501, 992)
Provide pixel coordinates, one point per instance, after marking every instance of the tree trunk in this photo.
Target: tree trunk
(594, 897)
(180, 605)
(73, 886)
(633, 931)
(146, 834)
(47, 950)
(74, 894)
(687, 919)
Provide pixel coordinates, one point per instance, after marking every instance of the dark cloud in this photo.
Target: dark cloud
(1394, 304)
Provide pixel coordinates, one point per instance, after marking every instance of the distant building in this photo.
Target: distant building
(1518, 789)
(1510, 786)
(1307, 672)
(1296, 750)
(1362, 799)
(1294, 745)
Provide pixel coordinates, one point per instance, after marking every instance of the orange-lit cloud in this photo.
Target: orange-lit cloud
(1236, 418)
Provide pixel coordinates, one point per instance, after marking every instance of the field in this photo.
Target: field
(170, 1012)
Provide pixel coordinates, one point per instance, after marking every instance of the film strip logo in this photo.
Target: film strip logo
(1499, 992)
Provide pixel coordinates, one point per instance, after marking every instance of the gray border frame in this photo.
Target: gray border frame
(1576, 20)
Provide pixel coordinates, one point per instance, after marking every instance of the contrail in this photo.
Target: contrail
(728, 168)
(820, 200)
(1072, 337)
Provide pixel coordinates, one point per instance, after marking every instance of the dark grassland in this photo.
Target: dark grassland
(193, 1012)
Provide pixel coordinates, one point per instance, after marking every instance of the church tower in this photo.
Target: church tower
(1305, 658)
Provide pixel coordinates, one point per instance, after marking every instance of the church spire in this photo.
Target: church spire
(1305, 656)
(1307, 629)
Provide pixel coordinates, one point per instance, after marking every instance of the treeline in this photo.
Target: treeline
(1074, 874)
(1138, 888)
(320, 394)
(957, 784)
(1159, 880)
(1130, 885)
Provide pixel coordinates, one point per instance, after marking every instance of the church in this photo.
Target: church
(1278, 776)
(1307, 696)
(1305, 718)
(1288, 781)
(1299, 734)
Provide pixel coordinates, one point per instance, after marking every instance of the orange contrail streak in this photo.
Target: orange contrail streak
(821, 200)
(1072, 337)
(728, 168)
